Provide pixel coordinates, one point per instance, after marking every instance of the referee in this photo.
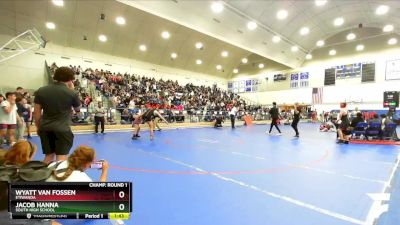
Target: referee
(275, 117)
(99, 118)
(232, 114)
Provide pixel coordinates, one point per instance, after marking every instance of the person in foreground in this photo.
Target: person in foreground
(56, 100)
(19, 154)
(73, 169)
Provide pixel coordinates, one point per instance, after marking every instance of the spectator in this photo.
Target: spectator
(356, 120)
(76, 164)
(27, 96)
(27, 116)
(385, 121)
(22, 112)
(19, 154)
(344, 123)
(375, 119)
(132, 103)
(9, 117)
(53, 128)
(20, 91)
(100, 112)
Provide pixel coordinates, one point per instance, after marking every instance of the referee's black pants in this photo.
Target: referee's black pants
(233, 121)
(97, 120)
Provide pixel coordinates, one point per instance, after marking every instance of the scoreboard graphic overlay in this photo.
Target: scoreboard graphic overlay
(70, 200)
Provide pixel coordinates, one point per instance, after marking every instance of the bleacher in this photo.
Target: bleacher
(178, 103)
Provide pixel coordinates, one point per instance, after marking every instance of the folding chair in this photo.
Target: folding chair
(388, 131)
(373, 131)
(360, 130)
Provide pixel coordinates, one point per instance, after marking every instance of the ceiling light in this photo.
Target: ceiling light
(165, 34)
(174, 55)
(50, 25)
(320, 43)
(320, 2)
(58, 2)
(198, 62)
(295, 48)
(219, 67)
(142, 48)
(332, 52)
(260, 65)
(199, 45)
(282, 14)
(244, 60)
(388, 28)
(360, 47)
(251, 25)
(351, 36)
(392, 41)
(304, 30)
(217, 7)
(102, 38)
(224, 54)
(235, 70)
(308, 56)
(120, 20)
(338, 21)
(276, 39)
(382, 9)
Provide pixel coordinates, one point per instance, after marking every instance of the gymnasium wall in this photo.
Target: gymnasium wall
(27, 70)
(368, 95)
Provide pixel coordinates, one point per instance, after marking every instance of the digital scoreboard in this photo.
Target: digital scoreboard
(391, 99)
(70, 200)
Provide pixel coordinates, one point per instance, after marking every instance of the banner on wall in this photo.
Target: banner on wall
(299, 80)
(279, 77)
(242, 86)
(348, 71)
(294, 80)
(392, 70)
(304, 77)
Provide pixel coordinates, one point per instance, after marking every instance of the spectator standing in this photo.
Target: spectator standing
(344, 124)
(9, 117)
(131, 104)
(100, 112)
(56, 101)
(22, 112)
(27, 117)
(92, 89)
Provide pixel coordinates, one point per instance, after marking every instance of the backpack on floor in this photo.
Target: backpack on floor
(29, 172)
